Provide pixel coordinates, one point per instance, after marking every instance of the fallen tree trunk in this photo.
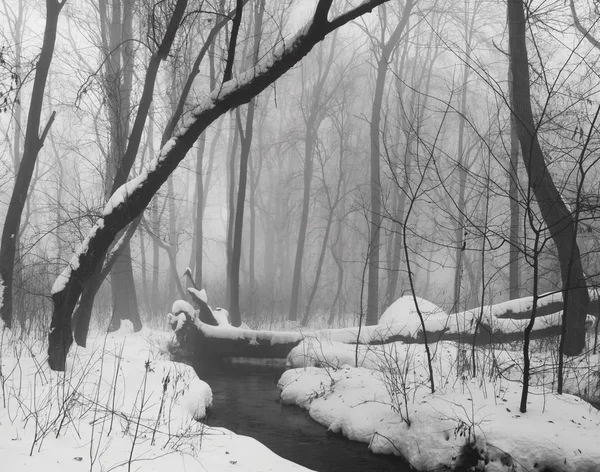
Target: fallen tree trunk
(548, 304)
(198, 339)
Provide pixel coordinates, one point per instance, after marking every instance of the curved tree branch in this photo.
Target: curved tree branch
(131, 199)
(586, 33)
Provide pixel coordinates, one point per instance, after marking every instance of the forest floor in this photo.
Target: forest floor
(469, 423)
(382, 395)
(122, 405)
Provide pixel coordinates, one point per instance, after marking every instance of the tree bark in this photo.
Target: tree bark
(558, 218)
(69, 285)
(236, 253)
(33, 144)
(246, 144)
(125, 306)
(375, 155)
(313, 121)
(198, 239)
(332, 203)
(307, 179)
(461, 163)
(231, 203)
(514, 277)
(121, 168)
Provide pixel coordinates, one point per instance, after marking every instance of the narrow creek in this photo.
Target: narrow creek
(246, 401)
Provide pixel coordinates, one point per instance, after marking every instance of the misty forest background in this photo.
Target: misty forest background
(388, 148)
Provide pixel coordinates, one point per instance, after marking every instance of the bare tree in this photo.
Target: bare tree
(125, 160)
(387, 47)
(317, 99)
(34, 140)
(131, 199)
(410, 123)
(559, 220)
(246, 134)
(462, 152)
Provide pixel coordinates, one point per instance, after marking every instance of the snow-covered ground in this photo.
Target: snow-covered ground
(121, 405)
(558, 433)
(469, 421)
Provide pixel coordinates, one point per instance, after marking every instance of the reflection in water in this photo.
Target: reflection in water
(246, 401)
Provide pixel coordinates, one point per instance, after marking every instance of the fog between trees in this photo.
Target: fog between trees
(388, 146)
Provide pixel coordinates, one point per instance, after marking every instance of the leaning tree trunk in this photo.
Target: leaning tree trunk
(559, 220)
(33, 144)
(70, 283)
(84, 310)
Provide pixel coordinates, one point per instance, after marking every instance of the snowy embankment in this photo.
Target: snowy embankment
(469, 421)
(120, 405)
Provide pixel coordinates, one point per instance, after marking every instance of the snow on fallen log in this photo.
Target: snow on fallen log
(400, 322)
(547, 304)
(199, 339)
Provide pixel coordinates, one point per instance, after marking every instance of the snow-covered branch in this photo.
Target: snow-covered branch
(132, 198)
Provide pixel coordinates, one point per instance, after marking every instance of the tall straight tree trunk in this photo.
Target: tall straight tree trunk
(144, 267)
(197, 256)
(68, 288)
(33, 144)
(459, 231)
(558, 218)
(313, 122)
(255, 173)
(246, 144)
(231, 201)
(333, 202)
(17, 38)
(173, 236)
(171, 205)
(125, 306)
(155, 259)
(270, 232)
(375, 168)
(309, 142)
(315, 285)
(412, 132)
(236, 253)
(198, 240)
(155, 225)
(118, 172)
(338, 257)
(514, 278)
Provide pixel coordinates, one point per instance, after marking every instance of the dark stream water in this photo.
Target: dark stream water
(246, 401)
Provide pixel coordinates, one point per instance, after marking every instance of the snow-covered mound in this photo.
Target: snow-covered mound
(404, 310)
